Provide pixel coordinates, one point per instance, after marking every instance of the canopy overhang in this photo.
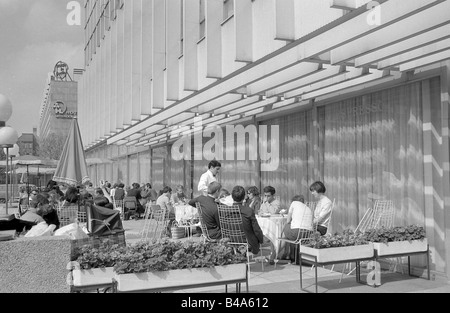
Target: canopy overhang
(346, 54)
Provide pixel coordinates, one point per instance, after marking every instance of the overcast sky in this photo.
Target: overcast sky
(34, 36)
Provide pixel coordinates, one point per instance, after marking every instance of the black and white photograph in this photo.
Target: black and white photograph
(225, 154)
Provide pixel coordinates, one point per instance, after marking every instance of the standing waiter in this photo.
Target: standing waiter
(208, 177)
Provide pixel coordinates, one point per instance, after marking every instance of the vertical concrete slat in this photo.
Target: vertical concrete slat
(445, 103)
(173, 23)
(214, 16)
(127, 65)
(136, 62)
(108, 69)
(159, 53)
(147, 57)
(244, 30)
(285, 20)
(104, 108)
(120, 69)
(113, 77)
(191, 37)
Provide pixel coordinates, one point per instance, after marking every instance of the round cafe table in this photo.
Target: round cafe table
(184, 216)
(272, 227)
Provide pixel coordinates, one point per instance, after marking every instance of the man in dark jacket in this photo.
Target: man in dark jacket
(210, 212)
(119, 193)
(136, 193)
(250, 224)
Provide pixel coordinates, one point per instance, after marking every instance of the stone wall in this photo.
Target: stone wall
(36, 265)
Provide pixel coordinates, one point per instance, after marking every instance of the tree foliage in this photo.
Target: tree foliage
(52, 146)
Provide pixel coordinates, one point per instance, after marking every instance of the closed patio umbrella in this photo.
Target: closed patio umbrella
(72, 168)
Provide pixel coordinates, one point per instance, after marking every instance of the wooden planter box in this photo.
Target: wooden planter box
(93, 277)
(400, 247)
(339, 254)
(181, 279)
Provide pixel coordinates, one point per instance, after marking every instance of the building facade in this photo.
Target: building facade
(353, 93)
(28, 143)
(59, 106)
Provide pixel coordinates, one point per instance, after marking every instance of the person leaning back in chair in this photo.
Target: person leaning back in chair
(208, 177)
(210, 212)
(270, 205)
(250, 225)
(299, 223)
(165, 204)
(322, 213)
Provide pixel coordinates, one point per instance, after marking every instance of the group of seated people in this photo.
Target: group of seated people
(40, 210)
(301, 220)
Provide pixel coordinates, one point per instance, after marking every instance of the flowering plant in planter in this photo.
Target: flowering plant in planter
(346, 239)
(161, 255)
(398, 240)
(165, 255)
(337, 248)
(106, 255)
(394, 234)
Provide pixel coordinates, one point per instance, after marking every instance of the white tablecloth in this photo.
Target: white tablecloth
(184, 213)
(272, 227)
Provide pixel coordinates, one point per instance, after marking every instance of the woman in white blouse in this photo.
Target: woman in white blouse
(299, 220)
(322, 213)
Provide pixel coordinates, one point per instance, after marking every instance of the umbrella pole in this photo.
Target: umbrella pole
(28, 184)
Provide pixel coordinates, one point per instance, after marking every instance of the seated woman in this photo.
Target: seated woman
(40, 212)
(324, 206)
(299, 223)
(71, 197)
(47, 211)
(179, 197)
(253, 201)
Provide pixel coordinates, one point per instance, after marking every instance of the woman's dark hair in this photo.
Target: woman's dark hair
(214, 164)
(72, 195)
(101, 201)
(318, 186)
(166, 190)
(40, 199)
(238, 194)
(99, 191)
(254, 191)
(298, 198)
(270, 189)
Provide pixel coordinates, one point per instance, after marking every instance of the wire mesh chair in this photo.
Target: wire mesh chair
(205, 233)
(303, 235)
(82, 217)
(381, 215)
(156, 222)
(231, 227)
(118, 205)
(67, 215)
(130, 207)
(312, 205)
